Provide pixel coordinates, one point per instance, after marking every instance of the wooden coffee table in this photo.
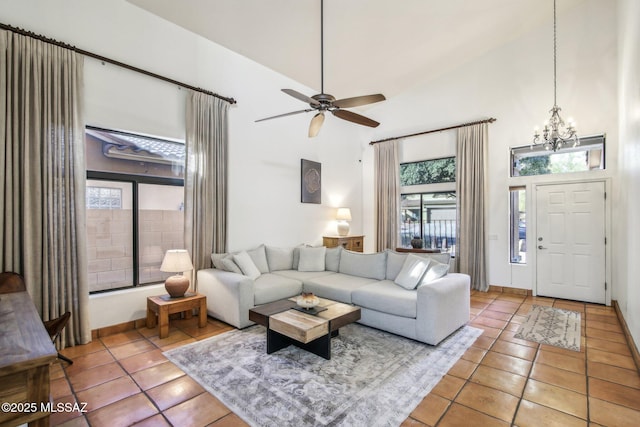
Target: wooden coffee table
(312, 332)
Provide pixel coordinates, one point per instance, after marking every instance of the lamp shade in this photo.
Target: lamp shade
(176, 261)
(344, 214)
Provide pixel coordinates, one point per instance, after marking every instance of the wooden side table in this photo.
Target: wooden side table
(163, 306)
(351, 243)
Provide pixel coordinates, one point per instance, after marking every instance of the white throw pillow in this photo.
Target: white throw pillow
(247, 265)
(312, 259)
(412, 271)
(436, 270)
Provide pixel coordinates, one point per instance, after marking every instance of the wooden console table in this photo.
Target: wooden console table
(26, 351)
(163, 306)
(351, 243)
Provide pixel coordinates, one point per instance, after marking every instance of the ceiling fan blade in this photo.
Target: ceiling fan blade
(284, 115)
(316, 124)
(300, 96)
(355, 118)
(358, 101)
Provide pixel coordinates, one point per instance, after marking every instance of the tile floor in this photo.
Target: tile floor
(500, 380)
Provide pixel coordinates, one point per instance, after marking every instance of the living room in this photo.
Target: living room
(510, 80)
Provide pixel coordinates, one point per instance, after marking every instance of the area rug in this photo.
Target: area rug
(373, 378)
(553, 326)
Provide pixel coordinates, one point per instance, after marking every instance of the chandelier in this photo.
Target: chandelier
(555, 133)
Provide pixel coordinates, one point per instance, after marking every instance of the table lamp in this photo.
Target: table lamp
(176, 261)
(343, 215)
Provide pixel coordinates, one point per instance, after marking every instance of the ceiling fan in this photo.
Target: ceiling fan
(324, 102)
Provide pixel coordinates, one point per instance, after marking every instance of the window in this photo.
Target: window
(431, 217)
(135, 206)
(518, 225)
(535, 160)
(432, 171)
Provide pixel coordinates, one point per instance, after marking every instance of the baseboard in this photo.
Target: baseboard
(630, 342)
(508, 290)
(116, 329)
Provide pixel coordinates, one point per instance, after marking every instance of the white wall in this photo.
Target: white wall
(627, 197)
(264, 204)
(514, 83)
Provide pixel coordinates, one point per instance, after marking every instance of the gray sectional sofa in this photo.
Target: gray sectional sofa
(409, 295)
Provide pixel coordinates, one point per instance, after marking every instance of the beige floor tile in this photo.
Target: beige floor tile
(488, 400)
(558, 398)
(531, 414)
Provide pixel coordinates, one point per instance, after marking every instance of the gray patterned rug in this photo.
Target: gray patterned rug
(373, 378)
(553, 326)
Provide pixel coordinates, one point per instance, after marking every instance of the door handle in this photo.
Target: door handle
(541, 247)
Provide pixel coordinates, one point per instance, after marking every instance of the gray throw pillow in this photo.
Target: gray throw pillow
(395, 260)
(279, 258)
(228, 264)
(247, 265)
(216, 259)
(259, 257)
(312, 259)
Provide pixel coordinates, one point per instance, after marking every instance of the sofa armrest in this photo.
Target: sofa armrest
(442, 307)
(229, 295)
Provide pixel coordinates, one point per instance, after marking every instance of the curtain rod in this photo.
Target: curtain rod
(112, 61)
(491, 120)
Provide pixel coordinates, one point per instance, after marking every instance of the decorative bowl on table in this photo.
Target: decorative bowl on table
(307, 300)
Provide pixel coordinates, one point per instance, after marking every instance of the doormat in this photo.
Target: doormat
(553, 326)
(373, 378)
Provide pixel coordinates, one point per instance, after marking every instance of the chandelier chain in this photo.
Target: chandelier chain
(555, 133)
(555, 55)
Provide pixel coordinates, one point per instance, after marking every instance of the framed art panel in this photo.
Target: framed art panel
(310, 182)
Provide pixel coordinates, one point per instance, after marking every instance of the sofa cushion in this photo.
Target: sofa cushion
(271, 287)
(395, 260)
(279, 258)
(336, 286)
(332, 259)
(372, 266)
(412, 271)
(259, 257)
(387, 297)
(246, 265)
(312, 259)
(435, 271)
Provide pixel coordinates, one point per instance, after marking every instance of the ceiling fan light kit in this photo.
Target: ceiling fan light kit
(324, 102)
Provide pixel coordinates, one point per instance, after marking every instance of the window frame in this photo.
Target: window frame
(585, 141)
(135, 180)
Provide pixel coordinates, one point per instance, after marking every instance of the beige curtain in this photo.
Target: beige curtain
(42, 178)
(471, 190)
(387, 194)
(206, 178)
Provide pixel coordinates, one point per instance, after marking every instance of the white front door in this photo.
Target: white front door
(570, 241)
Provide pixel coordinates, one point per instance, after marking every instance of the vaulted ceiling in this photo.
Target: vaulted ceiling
(370, 46)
